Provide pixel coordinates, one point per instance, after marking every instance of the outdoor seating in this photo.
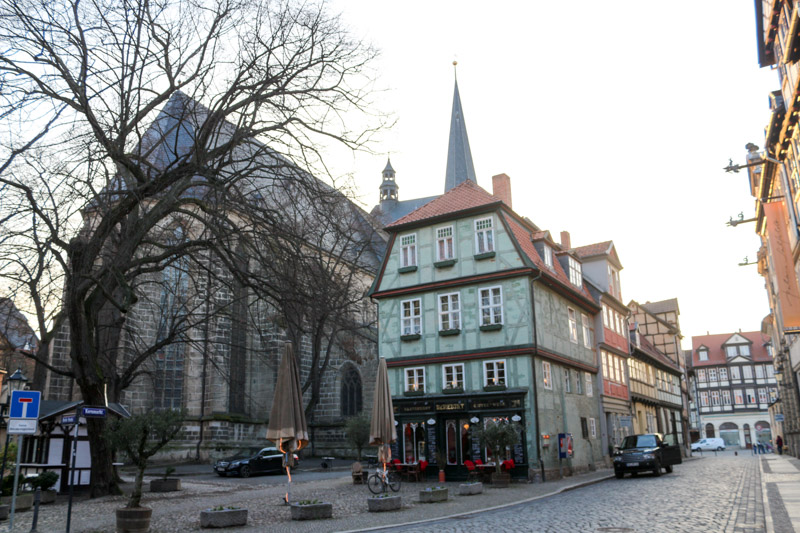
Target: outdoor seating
(358, 473)
(411, 472)
(473, 474)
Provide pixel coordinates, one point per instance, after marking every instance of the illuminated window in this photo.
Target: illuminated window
(548, 257)
(453, 376)
(575, 276)
(494, 372)
(546, 376)
(415, 379)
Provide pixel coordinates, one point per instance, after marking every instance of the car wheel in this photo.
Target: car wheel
(619, 475)
(657, 469)
(668, 469)
(720, 448)
(244, 471)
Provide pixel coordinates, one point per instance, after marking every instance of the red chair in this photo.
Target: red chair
(508, 465)
(472, 472)
(478, 462)
(422, 466)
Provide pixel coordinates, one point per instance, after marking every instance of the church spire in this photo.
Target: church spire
(459, 157)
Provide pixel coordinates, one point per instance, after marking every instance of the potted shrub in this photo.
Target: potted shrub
(24, 499)
(433, 495)
(223, 517)
(311, 510)
(140, 437)
(45, 482)
(498, 435)
(166, 483)
(384, 502)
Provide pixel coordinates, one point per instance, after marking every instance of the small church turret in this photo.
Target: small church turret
(388, 187)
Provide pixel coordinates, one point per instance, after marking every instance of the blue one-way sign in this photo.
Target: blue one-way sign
(24, 404)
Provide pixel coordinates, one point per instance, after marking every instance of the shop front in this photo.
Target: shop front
(448, 424)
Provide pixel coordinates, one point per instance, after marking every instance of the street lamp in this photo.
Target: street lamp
(16, 382)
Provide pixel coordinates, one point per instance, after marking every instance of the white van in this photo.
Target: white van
(711, 443)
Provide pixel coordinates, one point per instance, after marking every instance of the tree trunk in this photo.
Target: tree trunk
(136, 495)
(103, 480)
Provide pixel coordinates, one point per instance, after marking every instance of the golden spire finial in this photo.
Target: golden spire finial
(455, 71)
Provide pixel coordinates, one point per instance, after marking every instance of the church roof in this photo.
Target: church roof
(14, 327)
(459, 156)
(388, 212)
(467, 195)
(388, 166)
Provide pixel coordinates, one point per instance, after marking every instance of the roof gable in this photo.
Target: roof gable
(716, 343)
(467, 195)
(737, 339)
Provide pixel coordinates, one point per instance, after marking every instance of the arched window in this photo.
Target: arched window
(710, 431)
(351, 392)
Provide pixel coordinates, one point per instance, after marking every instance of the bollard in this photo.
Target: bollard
(37, 497)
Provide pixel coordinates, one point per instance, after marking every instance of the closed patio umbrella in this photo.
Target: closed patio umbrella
(381, 428)
(287, 419)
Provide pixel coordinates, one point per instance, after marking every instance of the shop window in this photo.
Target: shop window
(414, 442)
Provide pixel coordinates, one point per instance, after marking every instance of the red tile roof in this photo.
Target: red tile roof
(716, 353)
(465, 196)
(590, 250)
(647, 347)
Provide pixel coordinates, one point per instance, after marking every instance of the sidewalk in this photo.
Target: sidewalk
(780, 485)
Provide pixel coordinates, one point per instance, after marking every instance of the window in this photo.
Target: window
(605, 363)
(738, 398)
(567, 382)
(759, 372)
(770, 371)
(578, 383)
(701, 375)
(408, 250)
(491, 303)
(411, 320)
(573, 325)
(751, 396)
(494, 372)
(484, 236)
(734, 372)
(449, 312)
(588, 331)
(444, 244)
(415, 379)
(548, 257)
(613, 282)
(726, 397)
(351, 399)
(704, 398)
(592, 428)
(773, 394)
(453, 376)
(589, 391)
(762, 395)
(546, 376)
(737, 349)
(702, 354)
(712, 374)
(715, 397)
(575, 276)
(723, 374)
(747, 372)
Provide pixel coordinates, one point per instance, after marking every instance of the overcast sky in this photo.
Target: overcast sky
(613, 120)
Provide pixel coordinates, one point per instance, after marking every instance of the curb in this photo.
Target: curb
(472, 513)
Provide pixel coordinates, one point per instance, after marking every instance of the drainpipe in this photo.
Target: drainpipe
(535, 382)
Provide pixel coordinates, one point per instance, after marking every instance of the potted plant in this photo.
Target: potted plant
(433, 495)
(468, 489)
(311, 510)
(141, 436)
(166, 483)
(45, 482)
(223, 517)
(24, 499)
(497, 436)
(441, 462)
(384, 502)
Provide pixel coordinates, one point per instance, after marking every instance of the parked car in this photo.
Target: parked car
(249, 462)
(645, 453)
(711, 443)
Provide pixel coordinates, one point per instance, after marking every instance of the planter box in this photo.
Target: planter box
(457, 390)
(414, 393)
(444, 264)
(485, 255)
(165, 485)
(223, 518)
(491, 327)
(134, 520)
(4, 510)
(24, 501)
(501, 480)
(379, 505)
(48, 496)
(494, 388)
(405, 270)
(314, 511)
(433, 496)
(448, 332)
(468, 489)
(411, 337)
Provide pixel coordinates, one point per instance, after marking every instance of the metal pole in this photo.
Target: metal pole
(71, 470)
(16, 480)
(5, 453)
(37, 498)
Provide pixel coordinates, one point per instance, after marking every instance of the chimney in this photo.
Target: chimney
(565, 244)
(501, 188)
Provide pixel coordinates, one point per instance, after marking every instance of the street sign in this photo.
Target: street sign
(779, 417)
(22, 426)
(94, 412)
(68, 419)
(25, 404)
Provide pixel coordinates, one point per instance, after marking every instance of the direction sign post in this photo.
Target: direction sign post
(23, 419)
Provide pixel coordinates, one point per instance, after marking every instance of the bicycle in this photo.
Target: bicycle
(381, 479)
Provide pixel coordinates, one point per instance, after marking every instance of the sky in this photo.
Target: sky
(614, 121)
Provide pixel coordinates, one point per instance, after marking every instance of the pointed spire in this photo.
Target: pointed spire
(459, 156)
(388, 186)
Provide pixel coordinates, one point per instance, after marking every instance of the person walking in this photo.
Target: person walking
(779, 445)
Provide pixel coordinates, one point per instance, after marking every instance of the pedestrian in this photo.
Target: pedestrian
(779, 445)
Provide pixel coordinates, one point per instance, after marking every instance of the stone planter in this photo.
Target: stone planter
(468, 489)
(223, 517)
(4, 510)
(389, 503)
(433, 495)
(133, 519)
(311, 511)
(170, 484)
(48, 496)
(501, 480)
(24, 501)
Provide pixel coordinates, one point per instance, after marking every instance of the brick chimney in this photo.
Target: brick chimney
(501, 188)
(565, 244)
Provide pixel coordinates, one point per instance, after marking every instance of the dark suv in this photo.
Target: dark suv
(645, 453)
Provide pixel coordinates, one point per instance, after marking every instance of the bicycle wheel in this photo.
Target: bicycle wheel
(394, 481)
(375, 484)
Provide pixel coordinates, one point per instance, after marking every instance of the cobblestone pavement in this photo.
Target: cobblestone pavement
(713, 494)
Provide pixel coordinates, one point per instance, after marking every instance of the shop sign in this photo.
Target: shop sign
(416, 407)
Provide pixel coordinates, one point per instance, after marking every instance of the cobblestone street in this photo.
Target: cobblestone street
(712, 494)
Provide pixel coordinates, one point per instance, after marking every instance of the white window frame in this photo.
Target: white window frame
(578, 382)
(701, 375)
(715, 398)
(547, 256)
(723, 374)
(589, 387)
(588, 331)
(704, 398)
(567, 380)
(747, 372)
(726, 397)
(410, 323)
(702, 354)
(735, 373)
(415, 379)
(763, 397)
(712, 374)
(750, 394)
(445, 240)
(547, 375)
(496, 367)
(738, 397)
(759, 372)
(575, 274)
(495, 309)
(453, 376)
(770, 371)
(408, 250)
(484, 235)
(593, 428)
(453, 316)
(573, 325)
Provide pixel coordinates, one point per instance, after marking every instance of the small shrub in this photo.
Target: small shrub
(357, 430)
(44, 481)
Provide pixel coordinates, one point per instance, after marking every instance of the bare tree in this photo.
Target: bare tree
(120, 121)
